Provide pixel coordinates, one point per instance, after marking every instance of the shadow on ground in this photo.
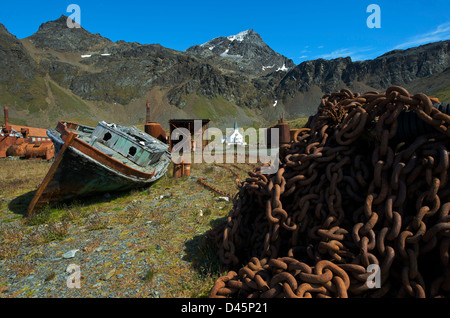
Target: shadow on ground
(201, 251)
(20, 204)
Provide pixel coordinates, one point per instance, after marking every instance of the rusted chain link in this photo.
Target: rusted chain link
(238, 182)
(237, 175)
(206, 184)
(347, 195)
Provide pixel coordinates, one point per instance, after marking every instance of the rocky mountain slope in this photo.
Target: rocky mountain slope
(72, 74)
(245, 52)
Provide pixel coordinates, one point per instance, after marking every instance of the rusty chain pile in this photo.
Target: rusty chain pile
(348, 195)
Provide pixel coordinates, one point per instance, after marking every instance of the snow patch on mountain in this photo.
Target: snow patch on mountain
(283, 68)
(245, 51)
(266, 67)
(238, 37)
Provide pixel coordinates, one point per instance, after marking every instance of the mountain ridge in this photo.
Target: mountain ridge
(72, 74)
(246, 49)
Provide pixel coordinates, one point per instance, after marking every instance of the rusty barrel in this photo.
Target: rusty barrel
(284, 134)
(155, 130)
(181, 169)
(44, 150)
(24, 149)
(177, 170)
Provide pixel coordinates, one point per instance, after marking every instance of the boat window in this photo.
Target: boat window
(132, 151)
(107, 136)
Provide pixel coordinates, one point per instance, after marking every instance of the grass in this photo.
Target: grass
(52, 231)
(11, 239)
(215, 107)
(18, 176)
(25, 91)
(96, 221)
(149, 275)
(443, 95)
(294, 123)
(298, 123)
(179, 258)
(67, 103)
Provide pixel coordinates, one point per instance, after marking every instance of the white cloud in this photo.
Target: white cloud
(442, 32)
(356, 53)
(303, 56)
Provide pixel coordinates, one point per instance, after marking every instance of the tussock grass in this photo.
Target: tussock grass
(11, 239)
(96, 221)
(49, 232)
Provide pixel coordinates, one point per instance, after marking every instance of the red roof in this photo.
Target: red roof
(34, 132)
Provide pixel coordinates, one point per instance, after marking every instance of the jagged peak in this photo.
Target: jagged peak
(60, 36)
(61, 22)
(241, 35)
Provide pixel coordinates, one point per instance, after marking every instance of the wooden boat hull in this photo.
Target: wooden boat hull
(81, 170)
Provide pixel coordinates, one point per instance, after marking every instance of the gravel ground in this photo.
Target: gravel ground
(147, 243)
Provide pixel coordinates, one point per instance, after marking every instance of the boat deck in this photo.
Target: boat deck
(86, 137)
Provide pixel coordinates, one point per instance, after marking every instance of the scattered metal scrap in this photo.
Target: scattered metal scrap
(206, 184)
(24, 142)
(153, 128)
(237, 175)
(221, 192)
(190, 142)
(350, 193)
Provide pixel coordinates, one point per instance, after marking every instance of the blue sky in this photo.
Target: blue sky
(300, 30)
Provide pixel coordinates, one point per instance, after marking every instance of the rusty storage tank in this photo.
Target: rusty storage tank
(153, 128)
(284, 133)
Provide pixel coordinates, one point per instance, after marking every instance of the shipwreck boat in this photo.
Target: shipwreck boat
(97, 160)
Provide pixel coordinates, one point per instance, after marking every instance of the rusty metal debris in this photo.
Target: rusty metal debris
(221, 192)
(237, 175)
(284, 133)
(153, 128)
(24, 142)
(349, 194)
(181, 168)
(213, 188)
(195, 139)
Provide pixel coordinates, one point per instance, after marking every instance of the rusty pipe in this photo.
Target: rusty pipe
(147, 116)
(6, 112)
